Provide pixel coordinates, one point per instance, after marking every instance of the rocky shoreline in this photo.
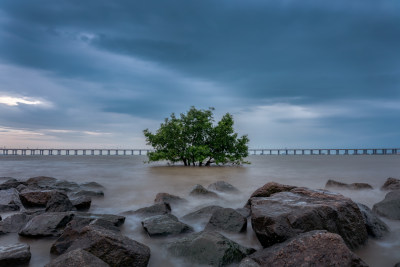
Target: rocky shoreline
(296, 226)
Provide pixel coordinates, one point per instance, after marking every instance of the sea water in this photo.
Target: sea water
(130, 183)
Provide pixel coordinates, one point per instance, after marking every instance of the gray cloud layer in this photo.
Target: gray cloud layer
(148, 59)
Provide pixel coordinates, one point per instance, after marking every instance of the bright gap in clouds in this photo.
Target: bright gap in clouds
(15, 101)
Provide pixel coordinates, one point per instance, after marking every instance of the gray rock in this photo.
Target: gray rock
(42, 182)
(202, 215)
(36, 198)
(113, 248)
(77, 257)
(208, 248)
(269, 189)
(14, 255)
(390, 206)
(286, 214)
(10, 183)
(156, 209)
(375, 226)
(9, 200)
(66, 186)
(59, 202)
(92, 185)
(200, 191)
(353, 186)
(169, 199)
(222, 186)
(82, 203)
(47, 224)
(164, 225)
(116, 220)
(246, 212)
(14, 223)
(228, 220)
(315, 248)
(391, 184)
(87, 193)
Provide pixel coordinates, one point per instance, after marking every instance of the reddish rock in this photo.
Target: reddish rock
(315, 248)
(36, 198)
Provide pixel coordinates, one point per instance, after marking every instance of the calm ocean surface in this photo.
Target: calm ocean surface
(131, 184)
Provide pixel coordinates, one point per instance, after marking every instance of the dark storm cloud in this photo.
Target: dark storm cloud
(150, 58)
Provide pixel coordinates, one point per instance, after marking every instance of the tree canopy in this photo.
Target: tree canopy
(195, 139)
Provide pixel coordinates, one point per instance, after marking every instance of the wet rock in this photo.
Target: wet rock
(164, 225)
(77, 257)
(92, 185)
(42, 182)
(286, 214)
(82, 203)
(200, 191)
(116, 220)
(156, 209)
(9, 200)
(113, 248)
(169, 199)
(14, 255)
(74, 229)
(375, 226)
(390, 206)
(315, 248)
(353, 186)
(36, 198)
(208, 248)
(59, 202)
(87, 193)
(268, 189)
(397, 264)
(228, 220)
(10, 183)
(246, 212)
(222, 186)
(21, 188)
(391, 184)
(66, 186)
(47, 224)
(14, 223)
(202, 215)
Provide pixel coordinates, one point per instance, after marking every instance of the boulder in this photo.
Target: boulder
(200, 191)
(36, 198)
(246, 212)
(390, 206)
(353, 186)
(73, 230)
(208, 248)
(10, 183)
(59, 202)
(87, 193)
(315, 248)
(9, 200)
(286, 214)
(92, 185)
(47, 224)
(66, 186)
(269, 189)
(228, 220)
(222, 186)
(82, 203)
(156, 209)
(202, 215)
(14, 223)
(116, 220)
(77, 257)
(113, 248)
(42, 182)
(375, 226)
(169, 199)
(391, 184)
(164, 225)
(15, 255)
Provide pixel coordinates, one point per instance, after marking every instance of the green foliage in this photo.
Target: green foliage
(194, 140)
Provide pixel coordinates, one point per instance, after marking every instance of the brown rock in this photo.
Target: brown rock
(200, 191)
(36, 198)
(286, 214)
(315, 248)
(59, 202)
(47, 224)
(353, 186)
(169, 199)
(391, 184)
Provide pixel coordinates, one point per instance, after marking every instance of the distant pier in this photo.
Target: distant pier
(133, 152)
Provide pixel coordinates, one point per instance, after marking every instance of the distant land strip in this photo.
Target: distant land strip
(133, 152)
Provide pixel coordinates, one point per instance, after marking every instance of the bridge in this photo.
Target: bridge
(132, 152)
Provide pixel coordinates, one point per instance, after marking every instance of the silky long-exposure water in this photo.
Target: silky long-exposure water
(131, 184)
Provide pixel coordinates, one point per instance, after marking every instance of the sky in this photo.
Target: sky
(294, 74)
